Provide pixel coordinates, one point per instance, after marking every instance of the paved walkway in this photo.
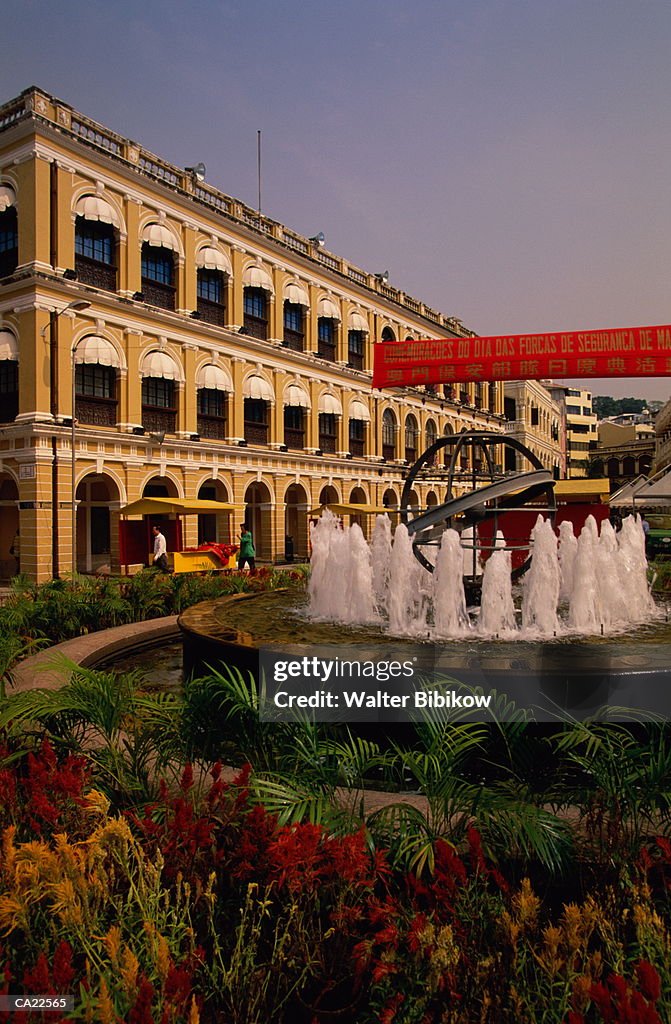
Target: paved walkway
(42, 670)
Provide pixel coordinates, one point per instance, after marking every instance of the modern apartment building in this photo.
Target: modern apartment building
(210, 352)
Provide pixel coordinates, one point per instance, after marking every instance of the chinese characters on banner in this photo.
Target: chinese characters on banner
(620, 352)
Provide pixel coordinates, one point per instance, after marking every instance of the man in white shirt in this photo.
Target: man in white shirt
(160, 549)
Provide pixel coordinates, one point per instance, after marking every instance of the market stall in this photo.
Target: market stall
(136, 542)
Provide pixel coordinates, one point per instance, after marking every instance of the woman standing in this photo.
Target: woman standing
(247, 552)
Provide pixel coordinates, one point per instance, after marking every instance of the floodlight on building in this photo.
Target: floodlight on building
(318, 240)
(383, 277)
(198, 172)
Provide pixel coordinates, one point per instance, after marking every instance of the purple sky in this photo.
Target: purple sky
(508, 161)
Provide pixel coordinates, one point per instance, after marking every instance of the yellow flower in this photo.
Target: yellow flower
(112, 943)
(129, 969)
(96, 803)
(526, 905)
(105, 1005)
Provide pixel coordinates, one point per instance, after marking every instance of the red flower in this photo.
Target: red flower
(649, 981)
(63, 972)
(141, 1011)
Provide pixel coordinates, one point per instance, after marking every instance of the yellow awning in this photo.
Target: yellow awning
(350, 510)
(176, 506)
(582, 490)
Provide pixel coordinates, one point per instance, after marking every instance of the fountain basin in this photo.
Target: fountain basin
(570, 676)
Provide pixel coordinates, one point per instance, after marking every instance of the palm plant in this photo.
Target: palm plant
(128, 736)
(617, 777)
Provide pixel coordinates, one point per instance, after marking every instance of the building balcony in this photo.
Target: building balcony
(294, 438)
(158, 294)
(214, 428)
(295, 340)
(255, 327)
(211, 312)
(97, 412)
(95, 273)
(256, 433)
(159, 421)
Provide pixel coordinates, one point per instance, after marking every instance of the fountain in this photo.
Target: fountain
(561, 624)
(599, 588)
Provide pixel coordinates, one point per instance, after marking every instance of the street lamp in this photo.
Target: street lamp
(75, 306)
(72, 307)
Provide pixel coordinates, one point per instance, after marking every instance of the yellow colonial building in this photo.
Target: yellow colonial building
(211, 353)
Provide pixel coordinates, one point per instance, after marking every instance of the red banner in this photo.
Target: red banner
(621, 352)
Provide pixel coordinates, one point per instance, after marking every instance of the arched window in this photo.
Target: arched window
(213, 388)
(411, 432)
(256, 313)
(211, 276)
(294, 426)
(96, 365)
(326, 337)
(294, 329)
(258, 396)
(159, 393)
(387, 334)
(358, 417)
(9, 232)
(96, 243)
(355, 349)
(9, 377)
(158, 276)
(629, 466)
(357, 330)
(388, 435)
(296, 404)
(211, 296)
(431, 438)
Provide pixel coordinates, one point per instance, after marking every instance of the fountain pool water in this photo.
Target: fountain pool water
(595, 584)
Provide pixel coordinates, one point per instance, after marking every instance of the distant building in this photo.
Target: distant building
(534, 418)
(580, 424)
(663, 438)
(625, 449)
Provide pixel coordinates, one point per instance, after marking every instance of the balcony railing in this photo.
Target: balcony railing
(99, 412)
(256, 433)
(100, 275)
(157, 294)
(389, 452)
(213, 427)
(211, 312)
(255, 327)
(294, 340)
(355, 360)
(294, 438)
(327, 443)
(159, 421)
(326, 351)
(357, 448)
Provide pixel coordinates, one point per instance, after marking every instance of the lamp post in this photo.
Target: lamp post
(73, 467)
(76, 304)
